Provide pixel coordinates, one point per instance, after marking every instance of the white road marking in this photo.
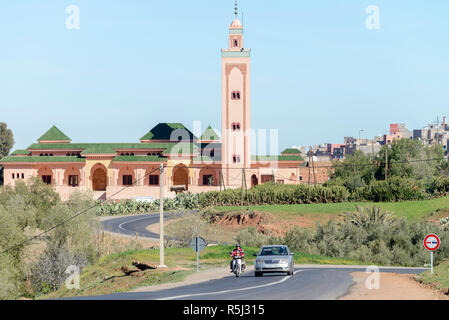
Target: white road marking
(230, 290)
(126, 222)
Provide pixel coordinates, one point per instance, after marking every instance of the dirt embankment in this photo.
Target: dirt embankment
(265, 223)
(392, 286)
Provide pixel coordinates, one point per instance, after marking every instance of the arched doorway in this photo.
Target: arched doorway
(208, 177)
(99, 180)
(46, 174)
(254, 180)
(181, 177)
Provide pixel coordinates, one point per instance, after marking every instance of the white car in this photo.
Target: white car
(274, 258)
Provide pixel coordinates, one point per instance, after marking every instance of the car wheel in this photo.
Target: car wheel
(290, 273)
(258, 274)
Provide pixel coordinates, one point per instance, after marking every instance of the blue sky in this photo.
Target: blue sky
(318, 74)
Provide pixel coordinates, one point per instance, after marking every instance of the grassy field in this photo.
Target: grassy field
(105, 276)
(439, 279)
(411, 210)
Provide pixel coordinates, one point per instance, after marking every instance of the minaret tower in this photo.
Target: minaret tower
(236, 105)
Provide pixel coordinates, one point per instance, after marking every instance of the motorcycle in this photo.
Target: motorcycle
(237, 265)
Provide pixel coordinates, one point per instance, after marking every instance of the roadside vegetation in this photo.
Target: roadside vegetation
(368, 235)
(439, 280)
(29, 269)
(106, 275)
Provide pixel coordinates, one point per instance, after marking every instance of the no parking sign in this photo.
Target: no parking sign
(431, 243)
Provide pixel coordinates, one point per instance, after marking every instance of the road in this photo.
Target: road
(133, 225)
(137, 224)
(309, 283)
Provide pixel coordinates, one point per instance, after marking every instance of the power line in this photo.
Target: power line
(76, 215)
(316, 166)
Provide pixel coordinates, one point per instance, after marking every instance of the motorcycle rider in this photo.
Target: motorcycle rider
(238, 251)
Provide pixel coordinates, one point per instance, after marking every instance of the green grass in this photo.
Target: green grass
(439, 279)
(105, 277)
(411, 210)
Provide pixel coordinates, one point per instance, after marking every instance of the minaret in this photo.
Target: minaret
(236, 106)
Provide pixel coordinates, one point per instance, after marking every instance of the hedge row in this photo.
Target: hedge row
(274, 194)
(394, 189)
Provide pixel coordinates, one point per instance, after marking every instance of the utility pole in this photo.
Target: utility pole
(313, 167)
(310, 174)
(161, 217)
(241, 191)
(222, 181)
(246, 187)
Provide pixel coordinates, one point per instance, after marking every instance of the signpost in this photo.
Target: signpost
(198, 244)
(431, 243)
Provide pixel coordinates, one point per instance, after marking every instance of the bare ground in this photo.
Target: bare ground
(393, 286)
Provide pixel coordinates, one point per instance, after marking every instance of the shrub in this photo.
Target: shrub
(393, 189)
(49, 272)
(370, 236)
(183, 231)
(438, 186)
(181, 201)
(251, 238)
(270, 193)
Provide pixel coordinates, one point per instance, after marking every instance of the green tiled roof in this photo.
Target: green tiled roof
(91, 148)
(291, 151)
(140, 158)
(99, 148)
(53, 134)
(210, 134)
(276, 158)
(20, 152)
(163, 131)
(42, 159)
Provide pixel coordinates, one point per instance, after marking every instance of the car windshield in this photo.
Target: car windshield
(274, 251)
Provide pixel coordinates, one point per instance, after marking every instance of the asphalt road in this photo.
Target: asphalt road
(133, 225)
(306, 284)
(137, 224)
(311, 283)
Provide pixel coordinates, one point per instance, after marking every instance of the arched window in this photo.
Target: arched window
(236, 43)
(236, 158)
(132, 153)
(235, 126)
(235, 95)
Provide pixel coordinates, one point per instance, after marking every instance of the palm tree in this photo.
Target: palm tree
(366, 216)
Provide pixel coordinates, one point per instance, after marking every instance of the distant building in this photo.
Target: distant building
(434, 133)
